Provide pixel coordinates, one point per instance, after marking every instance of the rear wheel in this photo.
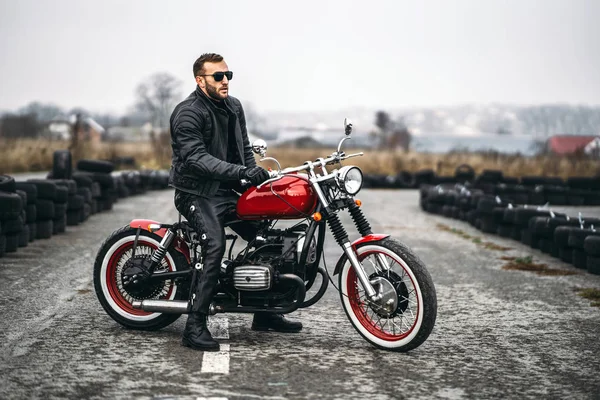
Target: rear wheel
(406, 315)
(112, 262)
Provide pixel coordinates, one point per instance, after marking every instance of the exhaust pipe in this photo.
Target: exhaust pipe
(163, 306)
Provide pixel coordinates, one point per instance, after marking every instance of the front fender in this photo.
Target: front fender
(179, 245)
(374, 237)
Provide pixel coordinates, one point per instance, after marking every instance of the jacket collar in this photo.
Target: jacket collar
(210, 101)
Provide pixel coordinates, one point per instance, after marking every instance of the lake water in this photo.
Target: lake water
(501, 143)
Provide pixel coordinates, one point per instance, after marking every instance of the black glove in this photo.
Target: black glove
(256, 175)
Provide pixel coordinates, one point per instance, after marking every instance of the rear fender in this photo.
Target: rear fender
(374, 237)
(179, 245)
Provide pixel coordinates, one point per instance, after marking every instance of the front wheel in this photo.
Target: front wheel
(406, 315)
(112, 263)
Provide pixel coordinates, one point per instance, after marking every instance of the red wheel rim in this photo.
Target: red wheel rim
(111, 278)
(360, 309)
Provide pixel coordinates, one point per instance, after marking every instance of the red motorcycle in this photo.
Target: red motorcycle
(143, 272)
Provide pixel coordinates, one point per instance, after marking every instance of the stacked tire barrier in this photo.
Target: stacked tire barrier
(513, 211)
(536, 190)
(37, 209)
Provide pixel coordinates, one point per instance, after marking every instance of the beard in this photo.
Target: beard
(214, 93)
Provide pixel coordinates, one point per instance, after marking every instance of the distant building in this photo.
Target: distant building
(570, 144)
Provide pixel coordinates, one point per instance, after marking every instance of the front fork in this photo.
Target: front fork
(340, 235)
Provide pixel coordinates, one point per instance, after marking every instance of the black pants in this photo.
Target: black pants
(208, 215)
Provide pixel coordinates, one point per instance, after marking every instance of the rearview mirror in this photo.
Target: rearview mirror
(259, 146)
(347, 126)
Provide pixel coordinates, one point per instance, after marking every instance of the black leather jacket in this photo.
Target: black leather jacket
(199, 131)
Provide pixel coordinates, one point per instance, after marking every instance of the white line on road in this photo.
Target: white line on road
(217, 362)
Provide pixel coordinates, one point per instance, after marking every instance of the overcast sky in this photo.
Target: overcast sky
(304, 55)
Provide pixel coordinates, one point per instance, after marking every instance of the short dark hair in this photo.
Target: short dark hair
(204, 58)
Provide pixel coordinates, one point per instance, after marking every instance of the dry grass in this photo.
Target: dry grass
(29, 155)
(391, 162)
(527, 264)
(22, 155)
(590, 294)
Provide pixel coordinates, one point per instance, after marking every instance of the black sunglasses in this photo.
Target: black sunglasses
(219, 75)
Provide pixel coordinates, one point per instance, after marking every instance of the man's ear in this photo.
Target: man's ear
(200, 81)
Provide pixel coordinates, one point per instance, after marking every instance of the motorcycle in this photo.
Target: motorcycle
(143, 272)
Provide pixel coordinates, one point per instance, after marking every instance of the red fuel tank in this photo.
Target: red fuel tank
(288, 198)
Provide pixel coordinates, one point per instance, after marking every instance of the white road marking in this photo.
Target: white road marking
(217, 362)
(211, 398)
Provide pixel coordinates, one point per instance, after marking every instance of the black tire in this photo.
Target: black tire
(70, 184)
(12, 242)
(545, 245)
(593, 265)
(113, 302)
(75, 202)
(46, 189)
(12, 226)
(424, 176)
(82, 179)
(491, 176)
(86, 193)
(32, 231)
(573, 200)
(565, 254)
(579, 259)
(62, 195)
(515, 233)
(31, 211)
(523, 215)
(96, 190)
(404, 179)
(578, 182)
(74, 217)
(24, 236)
(59, 225)
(105, 204)
(11, 205)
(30, 189)
(94, 206)
(62, 164)
(60, 210)
(527, 238)
(46, 209)
(349, 294)
(85, 212)
(488, 225)
(2, 245)
(7, 184)
(504, 230)
(464, 173)
(561, 235)
(44, 229)
(591, 245)
(577, 237)
(105, 167)
(23, 196)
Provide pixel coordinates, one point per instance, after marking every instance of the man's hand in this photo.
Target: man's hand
(256, 175)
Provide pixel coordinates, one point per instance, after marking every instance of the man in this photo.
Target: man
(211, 154)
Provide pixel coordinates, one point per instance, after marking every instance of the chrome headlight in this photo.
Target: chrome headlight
(350, 179)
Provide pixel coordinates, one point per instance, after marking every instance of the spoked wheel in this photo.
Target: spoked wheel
(404, 317)
(113, 272)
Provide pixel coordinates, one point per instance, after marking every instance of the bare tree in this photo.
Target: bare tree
(392, 134)
(157, 96)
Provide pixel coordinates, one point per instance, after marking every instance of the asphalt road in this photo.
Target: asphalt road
(499, 334)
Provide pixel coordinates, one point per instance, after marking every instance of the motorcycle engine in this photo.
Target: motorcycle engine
(276, 251)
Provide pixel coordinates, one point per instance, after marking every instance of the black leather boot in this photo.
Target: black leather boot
(196, 334)
(276, 322)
